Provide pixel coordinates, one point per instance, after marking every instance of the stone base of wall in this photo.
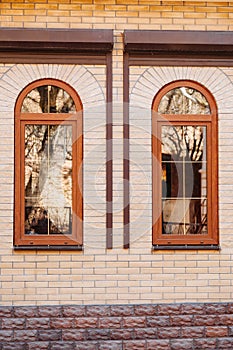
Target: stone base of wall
(118, 327)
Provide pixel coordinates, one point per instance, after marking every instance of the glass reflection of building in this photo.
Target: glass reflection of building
(48, 164)
(184, 165)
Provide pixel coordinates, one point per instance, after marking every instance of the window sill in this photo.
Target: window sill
(49, 247)
(186, 247)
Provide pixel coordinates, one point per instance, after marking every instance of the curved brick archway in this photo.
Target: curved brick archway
(79, 77)
(153, 78)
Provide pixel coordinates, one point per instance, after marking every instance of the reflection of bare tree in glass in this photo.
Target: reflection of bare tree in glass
(186, 146)
(48, 95)
(48, 144)
(48, 99)
(35, 141)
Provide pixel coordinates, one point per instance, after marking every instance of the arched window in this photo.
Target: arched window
(48, 160)
(184, 148)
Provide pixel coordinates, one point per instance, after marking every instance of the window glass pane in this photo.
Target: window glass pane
(183, 142)
(184, 216)
(184, 100)
(48, 99)
(184, 179)
(48, 179)
(172, 179)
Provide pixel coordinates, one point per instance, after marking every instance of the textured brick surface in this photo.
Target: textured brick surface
(6, 336)
(14, 346)
(38, 345)
(73, 311)
(181, 320)
(216, 308)
(124, 334)
(134, 345)
(5, 312)
(158, 321)
(158, 345)
(97, 311)
(225, 320)
(168, 332)
(197, 309)
(111, 345)
(178, 330)
(13, 323)
(225, 343)
(134, 322)
(205, 344)
(203, 320)
(62, 346)
(50, 311)
(59, 323)
(218, 331)
(49, 335)
(122, 310)
(86, 346)
(99, 334)
(29, 311)
(169, 309)
(182, 344)
(145, 333)
(86, 322)
(74, 334)
(145, 310)
(25, 335)
(38, 323)
(192, 332)
(110, 322)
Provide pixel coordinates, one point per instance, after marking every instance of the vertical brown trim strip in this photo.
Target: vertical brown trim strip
(126, 148)
(109, 175)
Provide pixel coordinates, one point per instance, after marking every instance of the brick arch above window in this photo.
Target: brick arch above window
(79, 77)
(153, 78)
(91, 90)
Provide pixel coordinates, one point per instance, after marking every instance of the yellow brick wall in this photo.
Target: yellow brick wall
(118, 14)
(95, 275)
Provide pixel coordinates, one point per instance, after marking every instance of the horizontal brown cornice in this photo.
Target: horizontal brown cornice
(79, 46)
(178, 43)
(56, 40)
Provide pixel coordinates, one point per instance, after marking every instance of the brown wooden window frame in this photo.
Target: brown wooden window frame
(210, 122)
(168, 48)
(74, 240)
